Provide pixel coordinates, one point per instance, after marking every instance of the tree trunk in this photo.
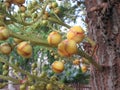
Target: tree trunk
(103, 19)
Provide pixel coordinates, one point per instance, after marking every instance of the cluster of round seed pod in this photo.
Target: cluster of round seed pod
(54, 6)
(67, 47)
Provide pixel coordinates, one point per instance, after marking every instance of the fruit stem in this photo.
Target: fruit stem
(55, 20)
(35, 40)
(90, 59)
(14, 67)
(18, 69)
(9, 78)
(13, 19)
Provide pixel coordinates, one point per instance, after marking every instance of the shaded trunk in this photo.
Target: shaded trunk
(103, 20)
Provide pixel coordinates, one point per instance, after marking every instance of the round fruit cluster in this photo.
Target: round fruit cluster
(67, 47)
(24, 48)
(54, 7)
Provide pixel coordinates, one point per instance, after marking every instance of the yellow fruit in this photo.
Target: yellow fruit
(5, 48)
(67, 48)
(54, 38)
(76, 33)
(24, 49)
(4, 34)
(84, 68)
(76, 62)
(58, 66)
(49, 87)
(16, 40)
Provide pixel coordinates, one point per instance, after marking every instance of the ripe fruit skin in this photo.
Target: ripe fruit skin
(84, 68)
(24, 49)
(76, 62)
(4, 34)
(58, 66)
(54, 38)
(5, 48)
(76, 33)
(49, 87)
(67, 48)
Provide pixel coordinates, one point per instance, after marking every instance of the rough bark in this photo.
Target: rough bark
(104, 28)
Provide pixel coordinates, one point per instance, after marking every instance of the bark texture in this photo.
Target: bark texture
(103, 18)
